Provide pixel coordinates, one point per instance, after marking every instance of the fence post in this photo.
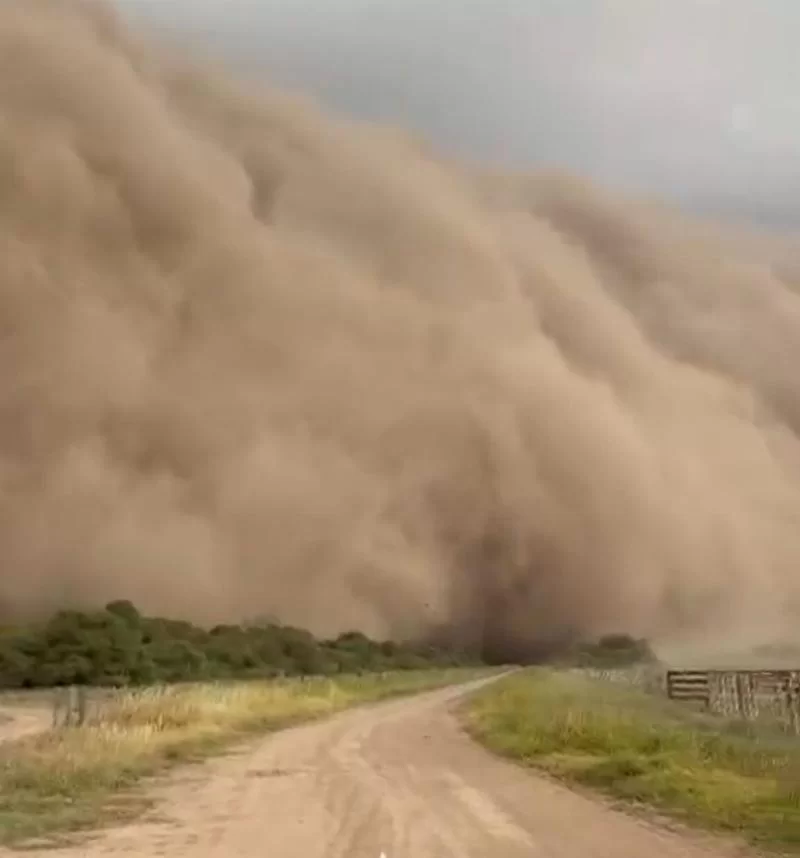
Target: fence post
(58, 700)
(82, 697)
(741, 695)
(793, 700)
(70, 706)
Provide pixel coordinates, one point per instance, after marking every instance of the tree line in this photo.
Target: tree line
(119, 646)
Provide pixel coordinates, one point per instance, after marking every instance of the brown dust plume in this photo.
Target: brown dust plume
(258, 360)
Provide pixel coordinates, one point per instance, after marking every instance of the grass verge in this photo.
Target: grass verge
(62, 781)
(731, 777)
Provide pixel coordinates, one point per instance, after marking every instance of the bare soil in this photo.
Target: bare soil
(399, 779)
(16, 722)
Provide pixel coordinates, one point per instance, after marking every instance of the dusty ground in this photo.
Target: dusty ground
(398, 779)
(17, 722)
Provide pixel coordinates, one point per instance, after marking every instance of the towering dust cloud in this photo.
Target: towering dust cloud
(256, 360)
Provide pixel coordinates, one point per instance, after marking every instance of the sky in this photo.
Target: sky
(695, 101)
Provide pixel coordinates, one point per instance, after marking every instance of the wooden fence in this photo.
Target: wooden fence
(689, 686)
(749, 694)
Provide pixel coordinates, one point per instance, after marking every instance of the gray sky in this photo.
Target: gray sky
(698, 100)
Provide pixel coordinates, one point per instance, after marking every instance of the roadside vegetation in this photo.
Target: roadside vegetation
(163, 691)
(636, 746)
(607, 653)
(65, 780)
(118, 646)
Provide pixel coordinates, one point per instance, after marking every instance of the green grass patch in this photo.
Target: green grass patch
(71, 779)
(643, 748)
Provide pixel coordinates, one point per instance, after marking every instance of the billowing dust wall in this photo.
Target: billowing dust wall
(255, 359)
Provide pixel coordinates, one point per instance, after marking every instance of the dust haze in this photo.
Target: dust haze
(259, 360)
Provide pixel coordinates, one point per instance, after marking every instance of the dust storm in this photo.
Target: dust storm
(256, 360)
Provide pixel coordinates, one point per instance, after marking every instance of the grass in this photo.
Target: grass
(636, 746)
(62, 781)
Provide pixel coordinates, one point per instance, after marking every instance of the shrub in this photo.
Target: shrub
(616, 650)
(119, 646)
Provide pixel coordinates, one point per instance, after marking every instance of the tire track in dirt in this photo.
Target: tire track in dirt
(399, 778)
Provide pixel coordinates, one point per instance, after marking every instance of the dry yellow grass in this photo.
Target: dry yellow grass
(60, 781)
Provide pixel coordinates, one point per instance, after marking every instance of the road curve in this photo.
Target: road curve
(398, 779)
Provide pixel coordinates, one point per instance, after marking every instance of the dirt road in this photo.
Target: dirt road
(397, 779)
(18, 722)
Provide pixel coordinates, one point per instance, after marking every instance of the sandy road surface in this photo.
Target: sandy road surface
(400, 779)
(17, 722)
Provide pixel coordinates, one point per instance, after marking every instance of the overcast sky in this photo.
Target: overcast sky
(698, 100)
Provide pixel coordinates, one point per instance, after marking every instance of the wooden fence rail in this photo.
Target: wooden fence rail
(689, 685)
(749, 694)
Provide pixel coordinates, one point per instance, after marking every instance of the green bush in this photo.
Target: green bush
(610, 651)
(119, 646)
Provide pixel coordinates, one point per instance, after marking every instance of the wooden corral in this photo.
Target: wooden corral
(749, 694)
